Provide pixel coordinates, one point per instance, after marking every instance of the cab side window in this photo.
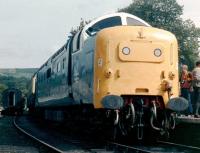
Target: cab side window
(134, 22)
(76, 41)
(109, 22)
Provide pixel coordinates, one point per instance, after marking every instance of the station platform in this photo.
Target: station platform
(187, 119)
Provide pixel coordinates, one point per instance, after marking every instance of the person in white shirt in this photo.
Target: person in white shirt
(196, 87)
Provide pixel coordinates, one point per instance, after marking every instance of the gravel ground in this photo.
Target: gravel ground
(13, 141)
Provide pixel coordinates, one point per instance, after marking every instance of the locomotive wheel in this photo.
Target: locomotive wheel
(169, 124)
(123, 122)
(114, 132)
(127, 119)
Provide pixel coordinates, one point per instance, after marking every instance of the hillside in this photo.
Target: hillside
(18, 72)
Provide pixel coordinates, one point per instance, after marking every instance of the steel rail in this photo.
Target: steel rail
(179, 145)
(130, 147)
(50, 146)
(36, 139)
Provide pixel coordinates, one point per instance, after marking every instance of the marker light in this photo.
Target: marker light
(157, 52)
(126, 51)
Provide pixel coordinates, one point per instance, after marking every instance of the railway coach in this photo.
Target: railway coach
(12, 100)
(116, 65)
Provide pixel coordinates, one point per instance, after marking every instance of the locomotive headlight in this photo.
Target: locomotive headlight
(126, 50)
(157, 52)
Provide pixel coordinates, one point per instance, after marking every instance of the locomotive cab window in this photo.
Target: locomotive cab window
(109, 22)
(134, 22)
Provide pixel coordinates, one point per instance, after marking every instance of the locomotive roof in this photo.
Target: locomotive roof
(121, 14)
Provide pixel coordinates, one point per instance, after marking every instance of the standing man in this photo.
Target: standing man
(196, 86)
(186, 80)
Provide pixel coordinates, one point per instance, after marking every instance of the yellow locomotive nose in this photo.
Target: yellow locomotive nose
(131, 60)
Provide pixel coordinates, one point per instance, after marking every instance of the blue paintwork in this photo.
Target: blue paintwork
(55, 90)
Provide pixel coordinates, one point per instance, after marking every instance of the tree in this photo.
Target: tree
(2, 88)
(188, 38)
(80, 27)
(166, 14)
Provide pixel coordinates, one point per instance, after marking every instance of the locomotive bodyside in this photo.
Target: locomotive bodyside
(52, 88)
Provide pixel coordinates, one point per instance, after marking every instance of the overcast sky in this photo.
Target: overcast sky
(32, 30)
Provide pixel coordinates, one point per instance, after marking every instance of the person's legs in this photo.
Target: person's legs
(197, 109)
(192, 100)
(186, 94)
(190, 108)
(197, 100)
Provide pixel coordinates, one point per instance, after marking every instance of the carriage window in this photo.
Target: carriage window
(64, 60)
(49, 73)
(134, 22)
(58, 67)
(109, 22)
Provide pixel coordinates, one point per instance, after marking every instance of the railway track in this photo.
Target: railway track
(180, 145)
(35, 138)
(65, 144)
(161, 147)
(128, 148)
(76, 145)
